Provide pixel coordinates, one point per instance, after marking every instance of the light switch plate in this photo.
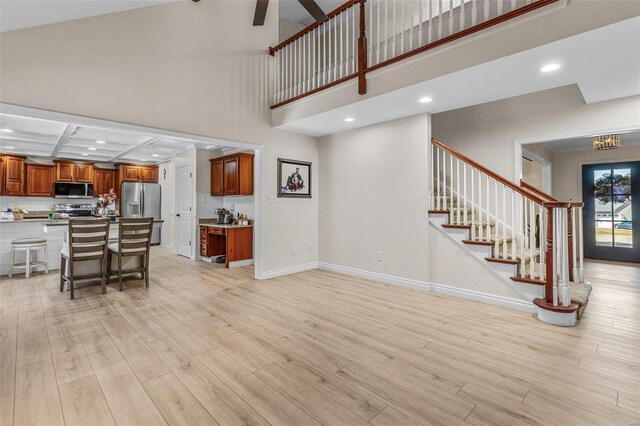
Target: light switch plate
(272, 199)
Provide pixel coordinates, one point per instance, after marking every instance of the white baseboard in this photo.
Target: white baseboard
(508, 302)
(289, 270)
(239, 263)
(375, 276)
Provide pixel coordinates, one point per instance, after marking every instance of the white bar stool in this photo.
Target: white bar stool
(26, 245)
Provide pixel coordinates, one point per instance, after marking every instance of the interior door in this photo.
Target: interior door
(184, 228)
(611, 194)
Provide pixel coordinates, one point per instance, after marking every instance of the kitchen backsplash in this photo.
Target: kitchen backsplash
(40, 203)
(243, 205)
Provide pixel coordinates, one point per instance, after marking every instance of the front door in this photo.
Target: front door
(185, 188)
(611, 194)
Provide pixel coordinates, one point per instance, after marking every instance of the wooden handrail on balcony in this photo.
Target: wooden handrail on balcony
(363, 67)
(489, 172)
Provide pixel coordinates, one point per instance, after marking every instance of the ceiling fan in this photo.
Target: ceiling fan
(261, 11)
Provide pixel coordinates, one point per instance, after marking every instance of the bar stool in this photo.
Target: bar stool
(26, 245)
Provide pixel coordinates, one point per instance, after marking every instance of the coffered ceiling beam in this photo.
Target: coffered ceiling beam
(68, 132)
(133, 148)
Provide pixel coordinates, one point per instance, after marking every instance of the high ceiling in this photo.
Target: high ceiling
(37, 137)
(17, 14)
(292, 12)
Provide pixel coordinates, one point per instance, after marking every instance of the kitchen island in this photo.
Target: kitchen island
(55, 232)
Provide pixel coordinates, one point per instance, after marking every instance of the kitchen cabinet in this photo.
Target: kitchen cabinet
(217, 178)
(234, 242)
(232, 175)
(69, 171)
(149, 174)
(40, 179)
(14, 175)
(133, 173)
(103, 181)
(1, 175)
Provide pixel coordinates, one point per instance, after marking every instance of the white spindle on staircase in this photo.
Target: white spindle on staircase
(580, 278)
(459, 204)
(523, 236)
(542, 241)
(532, 239)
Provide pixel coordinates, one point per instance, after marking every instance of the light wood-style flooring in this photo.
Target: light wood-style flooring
(204, 345)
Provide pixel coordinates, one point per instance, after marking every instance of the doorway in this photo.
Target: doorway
(611, 193)
(184, 219)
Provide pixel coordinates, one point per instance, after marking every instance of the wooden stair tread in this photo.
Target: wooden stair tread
(478, 243)
(542, 303)
(438, 211)
(456, 226)
(528, 280)
(498, 260)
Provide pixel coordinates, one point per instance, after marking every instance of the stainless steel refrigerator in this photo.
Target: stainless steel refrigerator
(142, 200)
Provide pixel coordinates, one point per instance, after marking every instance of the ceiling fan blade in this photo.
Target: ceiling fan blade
(260, 13)
(314, 10)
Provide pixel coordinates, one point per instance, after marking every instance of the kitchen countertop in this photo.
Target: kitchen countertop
(64, 222)
(212, 223)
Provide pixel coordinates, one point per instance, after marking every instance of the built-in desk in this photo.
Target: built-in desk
(234, 241)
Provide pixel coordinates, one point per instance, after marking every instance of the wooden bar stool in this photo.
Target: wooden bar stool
(87, 240)
(27, 245)
(134, 239)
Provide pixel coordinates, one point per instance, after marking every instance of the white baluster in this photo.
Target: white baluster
(420, 29)
(532, 240)
(450, 17)
(574, 245)
(542, 241)
(430, 12)
(480, 215)
(440, 23)
(473, 206)
(513, 4)
(513, 225)
(487, 10)
(523, 239)
(462, 15)
(554, 247)
(458, 211)
(580, 248)
(474, 12)
(504, 217)
(402, 22)
(444, 177)
(465, 214)
(439, 187)
(393, 27)
(451, 206)
(487, 233)
(566, 294)
(324, 53)
(499, 7)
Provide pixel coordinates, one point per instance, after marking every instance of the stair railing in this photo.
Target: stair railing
(574, 230)
(520, 223)
(498, 211)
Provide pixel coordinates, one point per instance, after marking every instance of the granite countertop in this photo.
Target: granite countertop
(214, 224)
(62, 222)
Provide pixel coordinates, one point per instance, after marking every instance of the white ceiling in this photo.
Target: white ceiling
(604, 63)
(17, 14)
(292, 12)
(37, 137)
(586, 143)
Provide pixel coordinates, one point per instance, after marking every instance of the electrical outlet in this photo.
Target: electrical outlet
(310, 249)
(379, 256)
(294, 251)
(272, 199)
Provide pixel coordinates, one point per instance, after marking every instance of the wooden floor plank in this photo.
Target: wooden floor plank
(206, 345)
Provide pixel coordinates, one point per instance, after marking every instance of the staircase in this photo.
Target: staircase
(525, 236)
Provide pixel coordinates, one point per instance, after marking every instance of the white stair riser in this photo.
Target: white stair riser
(457, 234)
(532, 291)
(439, 219)
(504, 270)
(481, 252)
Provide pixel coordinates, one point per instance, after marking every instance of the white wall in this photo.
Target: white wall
(195, 68)
(373, 193)
(168, 203)
(487, 132)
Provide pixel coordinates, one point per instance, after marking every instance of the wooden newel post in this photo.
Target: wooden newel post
(548, 258)
(362, 52)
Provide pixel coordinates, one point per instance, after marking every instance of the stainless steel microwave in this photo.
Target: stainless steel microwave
(73, 190)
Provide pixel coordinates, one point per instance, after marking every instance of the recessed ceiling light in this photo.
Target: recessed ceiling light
(92, 148)
(84, 153)
(155, 155)
(9, 147)
(100, 142)
(550, 68)
(425, 100)
(143, 159)
(6, 130)
(349, 119)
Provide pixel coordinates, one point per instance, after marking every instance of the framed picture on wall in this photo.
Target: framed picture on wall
(294, 178)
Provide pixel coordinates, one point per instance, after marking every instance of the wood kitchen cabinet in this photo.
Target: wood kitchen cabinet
(103, 181)
(70, 171)
(133, 173)
(1, 175)
(14, 175)
(232, 175)
(40, 179)
(234, 242)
